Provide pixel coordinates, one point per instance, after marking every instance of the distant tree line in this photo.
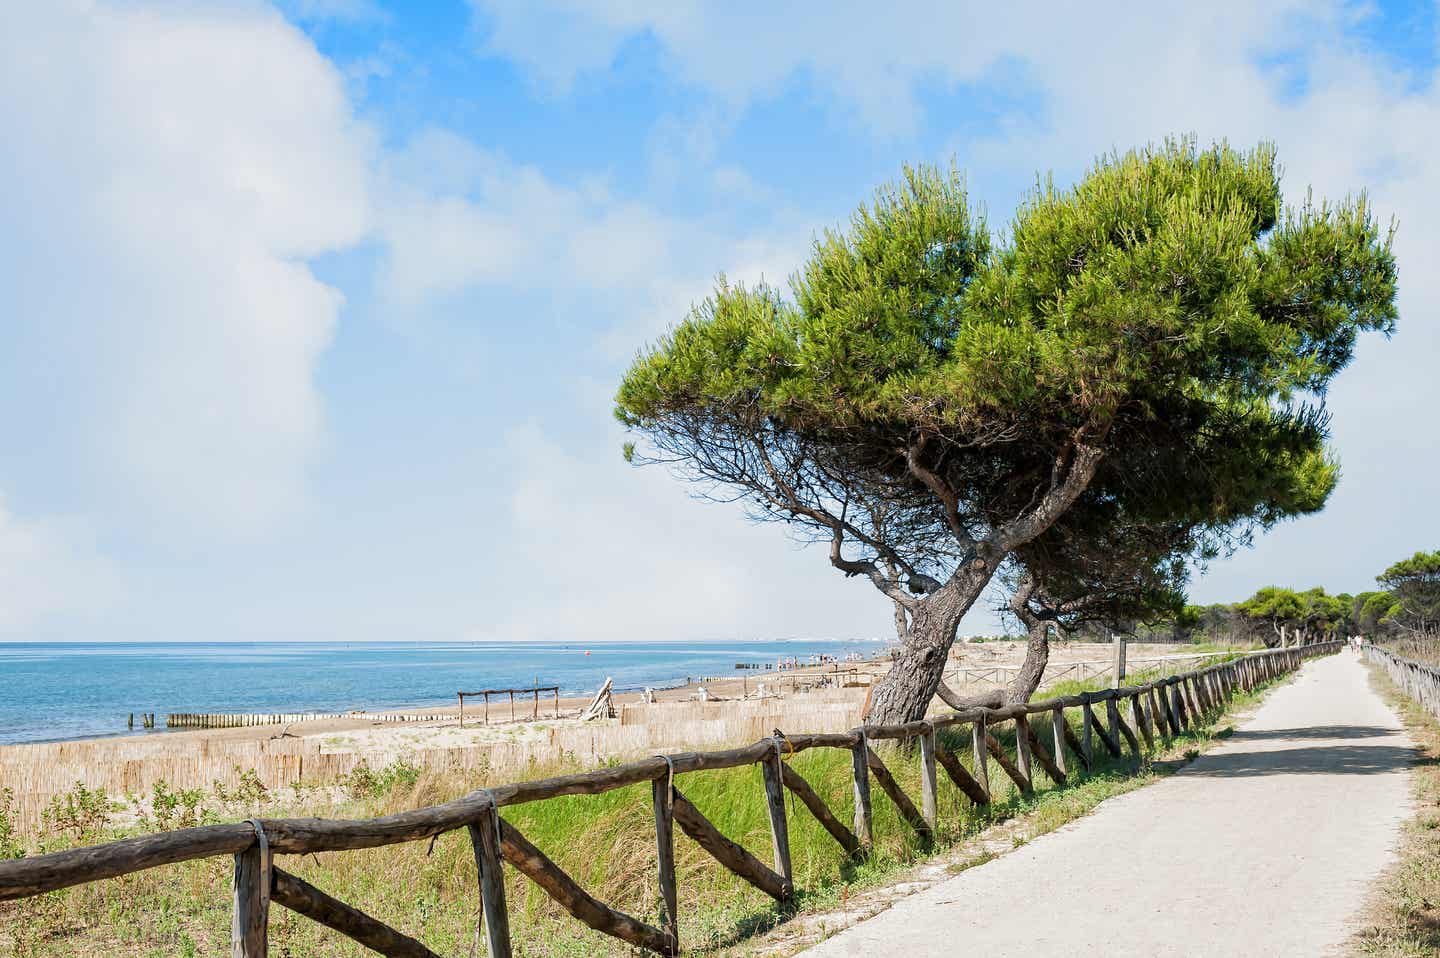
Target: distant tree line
(1407, 605)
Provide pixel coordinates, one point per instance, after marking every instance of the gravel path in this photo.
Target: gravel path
(1264, 846)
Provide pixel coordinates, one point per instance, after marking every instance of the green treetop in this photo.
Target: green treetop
(1151, 344)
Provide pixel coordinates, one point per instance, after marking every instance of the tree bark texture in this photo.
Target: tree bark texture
(905, 692)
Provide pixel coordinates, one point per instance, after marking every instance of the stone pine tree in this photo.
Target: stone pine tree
(928, 398)
(1414, 587)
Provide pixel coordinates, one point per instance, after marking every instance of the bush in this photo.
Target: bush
(10, 846)
(249, 792)
(173, 809)
(364, 782)
(81, 812)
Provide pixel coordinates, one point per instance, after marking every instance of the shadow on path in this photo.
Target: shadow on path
(1310, 760)
(1315, 731)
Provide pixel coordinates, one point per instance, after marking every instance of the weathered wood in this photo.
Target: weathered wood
(1057, 721)
(1022, 749)
(775, 805)
(992, 744)
(961, 776)
(249, 922)
(533, 864)
(1042, 756)
(929, 804)
(1142, 721)
(1077, 747)
(1117, 721)
(1087, 734)
(1112, 744)
(1160, 709)
(980, 754)
(728, 853)
(485, 842)
(860, 773)
(890, 787)
(305, 899)
(662, 799)
(905, 730)
(812, 800)
(1177, 707)
(23, 877)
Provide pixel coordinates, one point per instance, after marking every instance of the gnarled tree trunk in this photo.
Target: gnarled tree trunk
(904, 693)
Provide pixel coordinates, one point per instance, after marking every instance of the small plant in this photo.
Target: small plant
(249, 791)
(361, 782)
(10, 846)
(172, 809)
(81, 812)
(365, 782)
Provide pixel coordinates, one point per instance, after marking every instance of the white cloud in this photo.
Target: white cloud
(606, 551)
(49, 569)
(1089, 80)
(456, 218)
(167, 172)
(343, 11)
(873, 57)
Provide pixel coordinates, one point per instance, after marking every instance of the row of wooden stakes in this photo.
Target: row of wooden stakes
(1164, 708)
(1419, 680)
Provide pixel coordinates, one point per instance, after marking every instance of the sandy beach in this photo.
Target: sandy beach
(730, 709)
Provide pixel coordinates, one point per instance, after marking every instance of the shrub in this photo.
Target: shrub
(81, 812)
(10, 846)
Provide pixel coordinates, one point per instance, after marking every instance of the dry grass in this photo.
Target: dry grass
(1404, 912)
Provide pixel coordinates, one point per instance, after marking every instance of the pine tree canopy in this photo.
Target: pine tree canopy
(1150, 346)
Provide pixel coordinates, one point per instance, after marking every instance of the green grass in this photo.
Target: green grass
(605, 841)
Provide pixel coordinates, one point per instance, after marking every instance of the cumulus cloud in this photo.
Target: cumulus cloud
(455, 218)
(50, 568)
(1086, 80)
(874, 57)
(167, 173)
(603, 550)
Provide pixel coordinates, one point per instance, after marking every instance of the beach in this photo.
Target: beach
(739, 707)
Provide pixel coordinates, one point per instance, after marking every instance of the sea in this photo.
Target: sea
(60, 691)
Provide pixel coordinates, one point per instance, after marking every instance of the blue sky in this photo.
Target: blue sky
(313, 312)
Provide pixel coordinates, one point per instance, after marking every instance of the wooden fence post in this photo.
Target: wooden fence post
(982, 754)
(928, 803)
(1022, 749)
(860, 766)
(1087, 734)
(249, 923)
(485, 841)
(775, 802)
(1057, 729)
(1057, 733)
(663, 798)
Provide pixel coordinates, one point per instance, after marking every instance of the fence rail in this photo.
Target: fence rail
(1419, 680)
(1159, 709)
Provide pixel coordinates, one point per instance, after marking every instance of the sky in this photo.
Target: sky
(313, 313)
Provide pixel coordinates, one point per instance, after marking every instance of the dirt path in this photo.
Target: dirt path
(1264, 846)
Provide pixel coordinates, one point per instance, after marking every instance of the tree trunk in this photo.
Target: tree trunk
(1037, 657)
(904, 693)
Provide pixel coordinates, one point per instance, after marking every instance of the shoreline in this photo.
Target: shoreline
(676, 688)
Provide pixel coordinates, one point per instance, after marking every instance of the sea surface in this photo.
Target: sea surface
(56, 691)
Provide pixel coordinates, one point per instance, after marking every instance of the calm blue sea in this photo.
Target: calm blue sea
(62, 691)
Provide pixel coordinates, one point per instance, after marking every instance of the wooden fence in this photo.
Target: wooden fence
(1160, 709)
(486, 693)
(1419, 680)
